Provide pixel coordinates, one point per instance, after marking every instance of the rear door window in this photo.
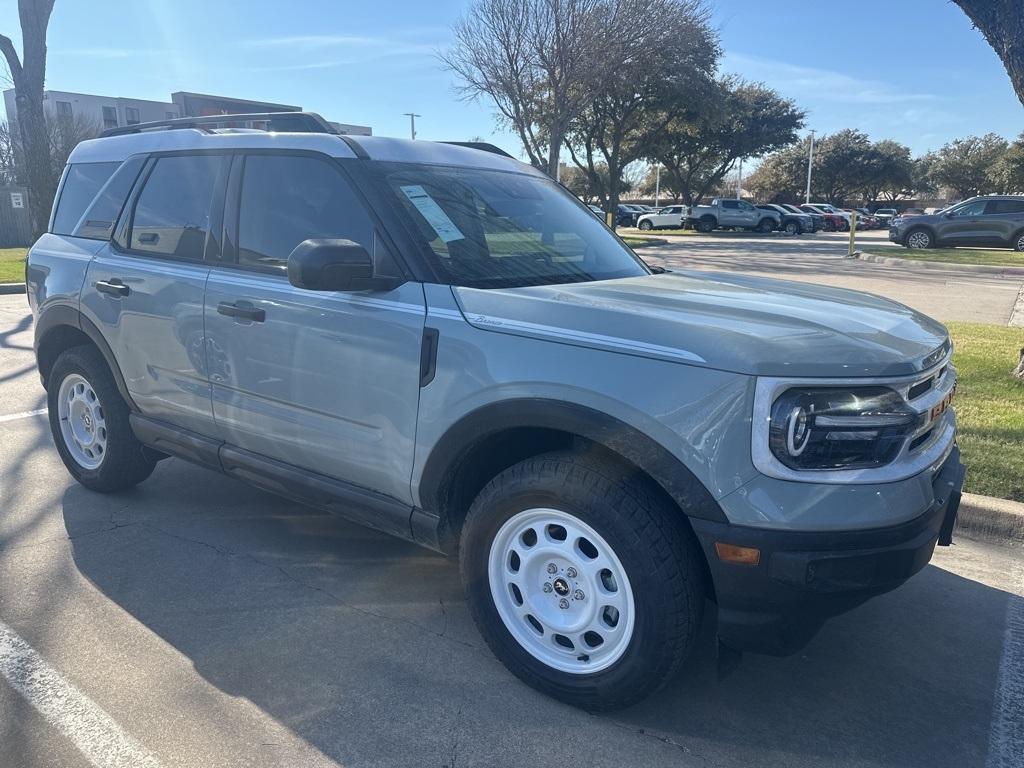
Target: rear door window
(81, 183)
(1005, 206)
(172, 213)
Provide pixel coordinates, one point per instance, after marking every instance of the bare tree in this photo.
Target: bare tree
(8, 172)
(28, 73)
(1002, 24)
(666, 53)
(536, 60)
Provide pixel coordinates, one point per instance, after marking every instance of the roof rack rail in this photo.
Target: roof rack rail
(291, 122)
(483, 146)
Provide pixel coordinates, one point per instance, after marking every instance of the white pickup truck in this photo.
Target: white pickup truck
(736, 214)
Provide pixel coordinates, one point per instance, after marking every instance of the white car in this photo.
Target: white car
(670, 216)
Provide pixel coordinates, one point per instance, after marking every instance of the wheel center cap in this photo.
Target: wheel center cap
(561, 587)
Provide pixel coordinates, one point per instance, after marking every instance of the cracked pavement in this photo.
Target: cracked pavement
(221, 626)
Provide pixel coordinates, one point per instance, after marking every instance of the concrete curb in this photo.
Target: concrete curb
(1017, 313)
(984, 518)
(9, 288)
(987, 269)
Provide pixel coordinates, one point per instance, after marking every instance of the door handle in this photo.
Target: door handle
(113, 287)
(242, 311)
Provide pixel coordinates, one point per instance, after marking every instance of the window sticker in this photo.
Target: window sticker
(433, 213)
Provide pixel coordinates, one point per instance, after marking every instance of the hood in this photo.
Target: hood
(749, 325)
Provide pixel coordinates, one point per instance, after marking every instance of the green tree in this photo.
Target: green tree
(888, 168)
(1009, 170)
(781, 177)
(667, 52)
(969, 166)
(737, 119)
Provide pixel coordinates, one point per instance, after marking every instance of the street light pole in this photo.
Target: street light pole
(412, 123)
(657, 184)
(810, 162)
(739, 181)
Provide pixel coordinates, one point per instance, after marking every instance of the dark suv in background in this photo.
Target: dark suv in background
(994, 220)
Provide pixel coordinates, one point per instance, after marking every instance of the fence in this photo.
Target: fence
(15, 224)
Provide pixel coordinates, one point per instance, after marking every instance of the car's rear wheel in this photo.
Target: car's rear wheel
(1018, 244)
(792, 228)
(765, 225)
(919, 238)
(584, 582)
(705, 225)
(89, 423)
(646, 226)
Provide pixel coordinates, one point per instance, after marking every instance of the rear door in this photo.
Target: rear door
(325, 381)
(1006, 219)
(144, 289)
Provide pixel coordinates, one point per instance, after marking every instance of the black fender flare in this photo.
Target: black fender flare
(671, 474)
(62, 315)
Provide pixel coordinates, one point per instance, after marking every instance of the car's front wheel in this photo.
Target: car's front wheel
(919, 238)
(792, 228)
(89, 422)
(1018, 244)
(584, 582)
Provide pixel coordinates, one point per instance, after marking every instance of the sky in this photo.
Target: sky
(913, 70)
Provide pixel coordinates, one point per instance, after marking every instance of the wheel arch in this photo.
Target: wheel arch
(494, 437)
(62, 327)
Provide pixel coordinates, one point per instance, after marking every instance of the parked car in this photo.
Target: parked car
(669, 216)
(626, 215)
(596, 210)
(384, 329)
(913, 212)
(886, 215)
(818, 219)
(833, 221)
(735, 214)
(844, 225)
(866, 219)
(996, 220)
(789, 222)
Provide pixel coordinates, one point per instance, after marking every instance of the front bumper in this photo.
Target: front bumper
(894, 235)
(803, 578)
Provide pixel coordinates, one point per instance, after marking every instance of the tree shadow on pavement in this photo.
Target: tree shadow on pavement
(361, 645)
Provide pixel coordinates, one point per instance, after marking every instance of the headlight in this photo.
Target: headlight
(833, 428)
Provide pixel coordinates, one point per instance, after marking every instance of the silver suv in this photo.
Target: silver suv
(981, 221)
(441, 343)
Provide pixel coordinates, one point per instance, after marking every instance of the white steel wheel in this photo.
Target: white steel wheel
(1019, 245)
(561, 591)
(82, 423)
(919, 239)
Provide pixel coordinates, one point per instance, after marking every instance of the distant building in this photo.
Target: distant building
(114, 111)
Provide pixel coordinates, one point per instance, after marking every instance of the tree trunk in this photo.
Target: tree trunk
(29, 76)
(1002, 24)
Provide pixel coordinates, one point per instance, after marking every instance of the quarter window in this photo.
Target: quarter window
(82, 182)
(730, 204)
(288, 199)
(172, 213)
(1006, 206)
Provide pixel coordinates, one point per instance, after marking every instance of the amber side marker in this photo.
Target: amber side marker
(731, 553)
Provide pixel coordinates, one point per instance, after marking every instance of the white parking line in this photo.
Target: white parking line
(1006, 738)
(73, 713)
(22, 415)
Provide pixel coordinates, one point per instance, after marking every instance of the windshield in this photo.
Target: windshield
(494, 229)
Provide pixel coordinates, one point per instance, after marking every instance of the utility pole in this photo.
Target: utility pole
(810, 162)
(657, 184)
(412, 123)
(739, 181)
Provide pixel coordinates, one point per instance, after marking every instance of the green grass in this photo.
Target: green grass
(994, 257)
(12, 265)
(656, 232)
(990, 408)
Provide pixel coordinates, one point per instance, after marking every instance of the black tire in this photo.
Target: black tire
(705, 225)
(126, 462)
(792, 228)
(919, 238)
(658, 553)
(1018, 241)
(764, 226)
(830, 226)
(844, 226)
(646, 225)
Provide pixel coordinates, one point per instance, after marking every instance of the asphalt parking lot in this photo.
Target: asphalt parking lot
(194, 621)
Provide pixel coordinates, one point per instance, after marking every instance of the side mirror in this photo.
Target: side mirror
(335, 265)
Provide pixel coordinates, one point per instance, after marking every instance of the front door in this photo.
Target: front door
(145, 294)
(325, 381)
(967, 225)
